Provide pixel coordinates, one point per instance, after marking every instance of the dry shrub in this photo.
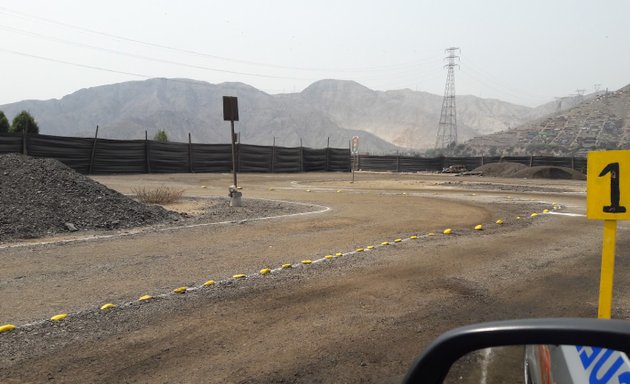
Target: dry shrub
(160, 195)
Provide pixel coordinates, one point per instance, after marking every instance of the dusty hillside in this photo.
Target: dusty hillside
(332, 109)
(602, 122)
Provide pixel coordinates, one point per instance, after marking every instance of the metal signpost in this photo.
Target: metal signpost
(230, 113)
(355, 154)
(608, 199)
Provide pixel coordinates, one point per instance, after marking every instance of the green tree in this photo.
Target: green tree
(4, 123)
(24, 121)
(161, 136)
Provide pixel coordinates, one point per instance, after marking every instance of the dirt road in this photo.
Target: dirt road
(358, 318)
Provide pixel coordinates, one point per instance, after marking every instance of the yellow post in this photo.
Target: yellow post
(608, 269)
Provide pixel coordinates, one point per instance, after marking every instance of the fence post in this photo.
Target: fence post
(91, 168)
(328, 156)
(273, 155)
(531, 161)
(147, 153)
(24, 136)
(397, 161)
(190, 163)
(301, 156)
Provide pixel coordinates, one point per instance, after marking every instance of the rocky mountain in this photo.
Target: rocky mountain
(601, 121)
(332, 110)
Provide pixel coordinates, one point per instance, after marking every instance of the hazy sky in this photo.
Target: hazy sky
(526, 52)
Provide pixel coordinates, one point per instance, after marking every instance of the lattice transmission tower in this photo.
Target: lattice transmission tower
(447, 128)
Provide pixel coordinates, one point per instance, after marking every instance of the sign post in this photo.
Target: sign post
(355, 154)
(230, 112)
(608, 195)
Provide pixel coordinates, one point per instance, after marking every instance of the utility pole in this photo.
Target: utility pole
(447, 127)
(580, 94)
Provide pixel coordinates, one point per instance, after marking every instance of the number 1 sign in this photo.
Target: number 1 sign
(607, 196)
(608, 185)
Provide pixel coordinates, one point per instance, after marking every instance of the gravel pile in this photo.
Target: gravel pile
(43, 196)
(520, 171)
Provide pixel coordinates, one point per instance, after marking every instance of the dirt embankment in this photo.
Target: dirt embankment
(520, 171)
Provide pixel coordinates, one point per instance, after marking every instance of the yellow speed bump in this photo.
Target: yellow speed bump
(545, 211)
(360, 249)
(328, 257)
(286, 266)
(145, 298)
(447, 231)
(209, 283)
(180, 290)
(430, 234)
(385, 243)
(59, 317)
(265, 271)
(107, 306)
(307, 262)
(7, 328)
(239, 276)
(397, 240)
(339, 254)
(370, 247)
(413, 237)
(533, 214)
(479, 227)
(500, 222)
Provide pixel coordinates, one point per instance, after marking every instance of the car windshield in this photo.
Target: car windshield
(302, 192)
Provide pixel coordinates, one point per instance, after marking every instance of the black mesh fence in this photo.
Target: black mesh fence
(105, 156)
(434, 164)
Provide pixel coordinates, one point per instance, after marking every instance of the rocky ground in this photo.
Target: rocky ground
(359, 318)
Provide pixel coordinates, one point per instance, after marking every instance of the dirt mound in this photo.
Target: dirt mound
(520, 171)
(43, 196)
(500, 169)
(547, 172)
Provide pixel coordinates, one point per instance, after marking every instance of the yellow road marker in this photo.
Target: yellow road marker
(339, 254)
(307, 262)
(107, 306)
(239, 276)
(265, 271)
(500, 222)
(385, 243)
(209, 283)
(479, 227)
(180, 290)
(397, 240)
(447, 231)
(328, 257)
(360, 249)
(59, 317)
(413, 237)
(286, 266)
(145, 298)
(7, 328)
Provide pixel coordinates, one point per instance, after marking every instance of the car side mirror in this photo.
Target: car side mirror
(601, 336)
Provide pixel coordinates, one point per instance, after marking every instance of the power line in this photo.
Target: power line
(116, 52)
(199, 53)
